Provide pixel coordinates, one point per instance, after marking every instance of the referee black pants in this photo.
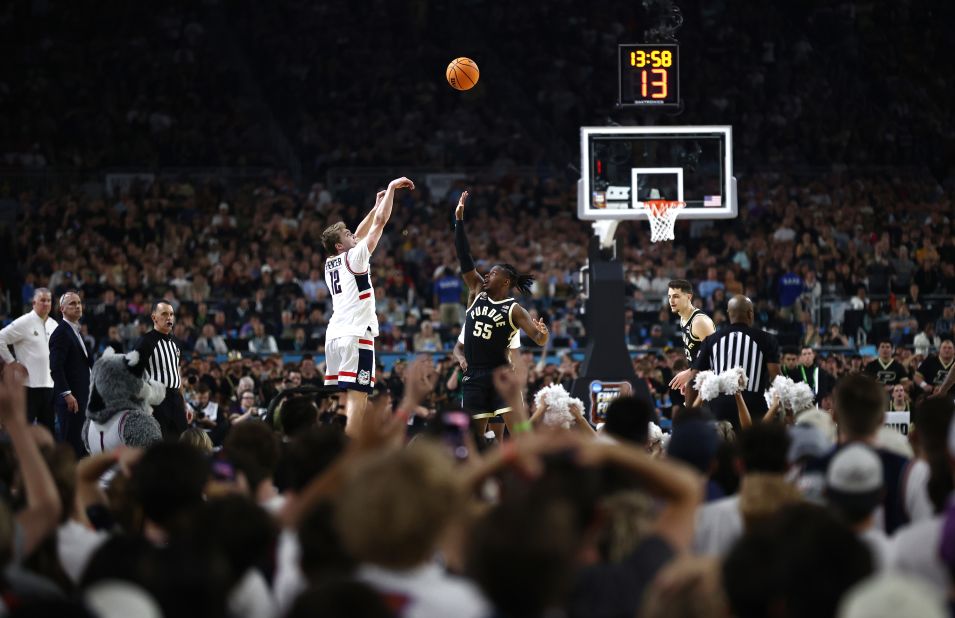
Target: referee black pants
(171, 414)
(40, 407)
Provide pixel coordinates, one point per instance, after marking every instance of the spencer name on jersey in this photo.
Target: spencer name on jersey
(488, 332)
(348, 278)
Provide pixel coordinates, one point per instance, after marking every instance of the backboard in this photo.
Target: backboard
(625, 166)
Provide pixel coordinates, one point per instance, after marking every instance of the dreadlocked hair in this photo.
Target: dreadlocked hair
(520, 281)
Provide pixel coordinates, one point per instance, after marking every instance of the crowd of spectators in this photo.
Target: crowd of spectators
(844, 242)
(280, 513)
(838, 262)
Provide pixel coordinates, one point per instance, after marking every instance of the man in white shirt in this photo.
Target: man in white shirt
(29, 335)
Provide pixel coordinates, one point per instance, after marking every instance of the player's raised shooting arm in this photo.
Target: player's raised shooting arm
(461, 246)
(383, 211)
(536, 330)
(362, 230)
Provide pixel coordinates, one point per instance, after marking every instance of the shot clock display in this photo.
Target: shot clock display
(649, 75)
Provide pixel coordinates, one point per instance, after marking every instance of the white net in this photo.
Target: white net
(662, 215)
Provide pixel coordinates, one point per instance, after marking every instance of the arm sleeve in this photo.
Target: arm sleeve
(357, 258)
(145, 347)
(463, 248)
(9, 335)
(58, 354)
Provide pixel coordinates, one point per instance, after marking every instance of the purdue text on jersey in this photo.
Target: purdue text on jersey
(488, 332)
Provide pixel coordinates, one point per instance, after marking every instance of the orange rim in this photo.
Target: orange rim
(658, 207)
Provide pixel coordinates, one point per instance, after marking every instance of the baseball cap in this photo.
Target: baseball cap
(694, 442)
(854, 480)
(806, 441)
(891, 594)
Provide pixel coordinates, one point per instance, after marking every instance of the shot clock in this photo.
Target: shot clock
(649, 75)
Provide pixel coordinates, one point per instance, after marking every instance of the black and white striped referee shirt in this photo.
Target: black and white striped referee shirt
(740, 346)
(161, 353)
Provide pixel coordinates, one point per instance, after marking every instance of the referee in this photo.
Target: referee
(161, 354)
(741, 345)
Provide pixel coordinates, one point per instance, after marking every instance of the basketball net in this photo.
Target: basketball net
(662, 215)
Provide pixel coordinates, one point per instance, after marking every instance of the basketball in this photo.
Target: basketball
(463, 73)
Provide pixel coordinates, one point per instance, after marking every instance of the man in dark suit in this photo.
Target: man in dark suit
(70, 364)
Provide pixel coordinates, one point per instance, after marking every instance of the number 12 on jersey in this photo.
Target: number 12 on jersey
(336, 284)
(482, 330)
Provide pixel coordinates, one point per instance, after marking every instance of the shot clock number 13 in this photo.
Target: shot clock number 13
(649, 75)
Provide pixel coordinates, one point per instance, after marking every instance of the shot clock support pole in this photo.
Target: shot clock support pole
(607, 370)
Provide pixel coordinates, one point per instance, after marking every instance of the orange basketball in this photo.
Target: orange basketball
(463, 73)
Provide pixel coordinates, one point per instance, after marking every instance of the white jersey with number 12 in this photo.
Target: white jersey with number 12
(348, 278)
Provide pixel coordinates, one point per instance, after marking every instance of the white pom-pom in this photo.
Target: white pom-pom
(707, 384)
(800, 397)
(732, 381)
(555, 402)
(700, 378)
(793, 396)
(654, 433)
(109, 351)
(558, 418)
(549, 396)
(780, 384)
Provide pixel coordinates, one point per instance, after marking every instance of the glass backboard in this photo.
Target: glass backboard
(625, 166)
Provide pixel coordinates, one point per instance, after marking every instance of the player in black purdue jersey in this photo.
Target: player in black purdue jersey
(694, 325)
(932, 372)
(885, 368)
(491, 322)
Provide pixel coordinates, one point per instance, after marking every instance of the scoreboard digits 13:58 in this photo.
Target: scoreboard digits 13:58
(649, 75)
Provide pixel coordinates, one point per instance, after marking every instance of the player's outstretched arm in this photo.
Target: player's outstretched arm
(471, 278)
(383, 211)
(535, 329)
(682, 379)
(362, 230)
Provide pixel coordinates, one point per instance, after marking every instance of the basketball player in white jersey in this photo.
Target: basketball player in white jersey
(350, 337)
(694, 325)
